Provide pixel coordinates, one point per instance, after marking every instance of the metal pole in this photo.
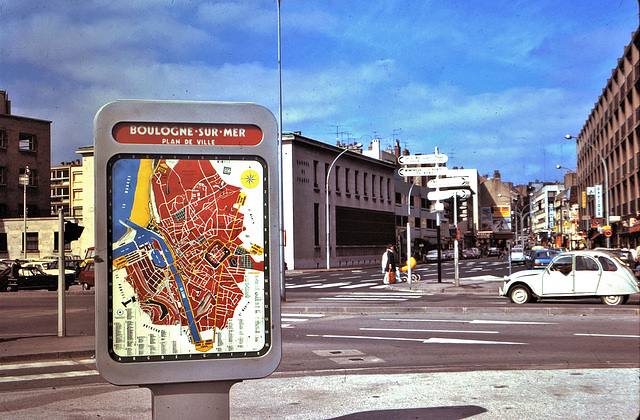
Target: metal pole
(283, 291)
(455, 242)
(326, 187)
(62, 304)
(25, 181)
(409, 232)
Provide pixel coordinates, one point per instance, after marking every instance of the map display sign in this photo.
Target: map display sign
(187, 245)
(188, 258)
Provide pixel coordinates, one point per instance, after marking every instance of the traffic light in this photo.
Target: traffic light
(72, 232)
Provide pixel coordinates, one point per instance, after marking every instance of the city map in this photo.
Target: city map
(188, 252)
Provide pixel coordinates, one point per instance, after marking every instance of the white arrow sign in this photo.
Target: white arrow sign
(443, 195)
(431, 171)
(420, 159)
(462, 181)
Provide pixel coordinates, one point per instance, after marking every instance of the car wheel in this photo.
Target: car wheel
(613, 300)
(519, 295)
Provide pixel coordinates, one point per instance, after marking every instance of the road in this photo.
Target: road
(386, 356)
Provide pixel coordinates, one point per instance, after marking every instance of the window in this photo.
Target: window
(67, 247)
(3, 175)
(607, 264)
(316, 224)
(3, 242)
(77, 212)
(315, 174)
(365, 187)
(4, 143)
(563, 265)
(27, 142)
(32, 241)
(356, 176)
(586, 264)
(346, 180)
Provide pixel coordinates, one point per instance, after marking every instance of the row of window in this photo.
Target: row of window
(32, 243)
(32, 179)
(26, 142)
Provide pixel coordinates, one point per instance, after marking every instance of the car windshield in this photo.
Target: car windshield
(545, 254)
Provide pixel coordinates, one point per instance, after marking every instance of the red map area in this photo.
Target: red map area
(200, 221)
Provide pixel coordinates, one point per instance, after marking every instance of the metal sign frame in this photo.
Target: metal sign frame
(195, 295)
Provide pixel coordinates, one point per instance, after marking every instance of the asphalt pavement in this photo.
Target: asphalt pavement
(561, 394)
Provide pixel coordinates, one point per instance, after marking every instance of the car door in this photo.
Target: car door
(557, 279)
(587, 275)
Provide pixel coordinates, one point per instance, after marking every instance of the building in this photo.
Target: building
(543, 213)
(24, 143)
(608, 149)
(497, 201)
(361, 194)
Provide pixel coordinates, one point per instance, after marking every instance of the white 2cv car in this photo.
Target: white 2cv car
(577, 274)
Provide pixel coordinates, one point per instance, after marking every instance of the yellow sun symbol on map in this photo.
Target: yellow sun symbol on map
(250, 178)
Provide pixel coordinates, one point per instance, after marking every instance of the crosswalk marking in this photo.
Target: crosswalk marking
(288, 319)
(40, 376)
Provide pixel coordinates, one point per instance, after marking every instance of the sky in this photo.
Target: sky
(495, 85)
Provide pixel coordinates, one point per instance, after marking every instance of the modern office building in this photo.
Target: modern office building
(608, 149)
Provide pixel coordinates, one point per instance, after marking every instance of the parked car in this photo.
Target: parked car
(540, 258)
(51, 267)
(493, 252)
(31, 277)
(517, 255)
(87, 276)
(432, 255)
(624, 256)
(574, 274)
(448, 254)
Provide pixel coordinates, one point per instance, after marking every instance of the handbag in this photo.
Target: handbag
(392, 277)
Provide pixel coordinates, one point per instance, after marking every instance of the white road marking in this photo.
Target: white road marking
(329, 285)
(475, 321)
(33, 365)
(429, 331)
(359, 285)
(297, 286)
(434, 340)
(609, 335)
(49, 376)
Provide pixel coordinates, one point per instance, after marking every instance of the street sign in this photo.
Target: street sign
(448, 182)
(422, 159)
(430, 171)
(187, 279)
(445, 194)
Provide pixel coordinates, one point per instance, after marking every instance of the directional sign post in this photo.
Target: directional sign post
(461, 181)
(446, 194)
(428, 171)
(423, 159)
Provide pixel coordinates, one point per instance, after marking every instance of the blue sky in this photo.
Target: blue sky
(495, 85)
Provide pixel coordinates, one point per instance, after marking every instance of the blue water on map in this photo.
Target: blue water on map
(125, 179)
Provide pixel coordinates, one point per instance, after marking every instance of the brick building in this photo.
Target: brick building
(24, 142)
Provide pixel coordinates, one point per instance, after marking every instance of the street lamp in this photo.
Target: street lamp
(24, 180)
(326, 187)
(606, 179)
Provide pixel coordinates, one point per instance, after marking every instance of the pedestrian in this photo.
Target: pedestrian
(389, 265)
(15, 269)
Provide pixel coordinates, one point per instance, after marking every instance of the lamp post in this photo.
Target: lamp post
(326, 187)
(606, 179)
(24, 180)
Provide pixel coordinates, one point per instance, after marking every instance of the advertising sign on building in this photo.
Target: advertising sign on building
(188, 287)
(598, 201)
(501, 219)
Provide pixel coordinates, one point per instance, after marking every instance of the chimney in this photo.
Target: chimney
(496, 174)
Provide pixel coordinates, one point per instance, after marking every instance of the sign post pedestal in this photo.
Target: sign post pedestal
(202, 400)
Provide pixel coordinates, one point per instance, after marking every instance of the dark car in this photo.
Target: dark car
(87, 276)
(31, 278)
(540, 258)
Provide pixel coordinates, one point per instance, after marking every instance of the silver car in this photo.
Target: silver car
(576, 274)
